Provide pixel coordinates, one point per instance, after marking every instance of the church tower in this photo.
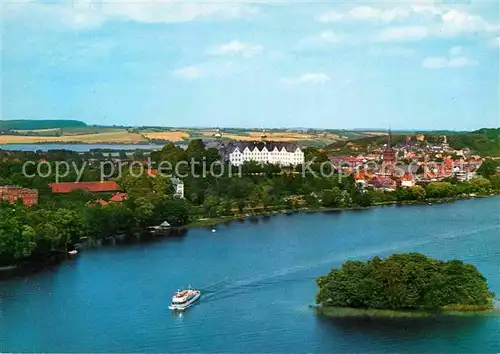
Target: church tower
(389, 156)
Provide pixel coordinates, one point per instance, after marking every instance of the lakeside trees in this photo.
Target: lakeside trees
(405, 281)
(64, 219)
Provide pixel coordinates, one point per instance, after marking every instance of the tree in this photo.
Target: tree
(210, 206)
(175, 211)
(314, 154)
(241, 205)
(410, 193)
(195, 146)
(69, 225)
(172, 154)
(226, 207)
(495, 182)
(404, 281)
(440, 190)
(255, 199)
(488, 168)
(332, 198)
(480, 184)
(143, 210)
(17, 241)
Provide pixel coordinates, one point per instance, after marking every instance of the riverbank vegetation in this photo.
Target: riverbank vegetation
(346, 312)
(61, 220)
(405, 282)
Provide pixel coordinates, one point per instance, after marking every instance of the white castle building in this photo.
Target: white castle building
(279, 153)
(237, 153)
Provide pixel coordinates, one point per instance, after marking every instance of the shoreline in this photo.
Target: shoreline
(348, 312)
(205, 222)
(38, 264)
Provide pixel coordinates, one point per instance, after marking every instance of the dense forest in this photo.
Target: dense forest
(405, 282)
(27, 124)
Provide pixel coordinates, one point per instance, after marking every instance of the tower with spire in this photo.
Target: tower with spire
(389, 156)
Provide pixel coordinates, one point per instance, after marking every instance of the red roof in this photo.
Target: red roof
(360, 176)
(407, 177)
(119, 197)
(99, 201)
(152, 172)
(13, 193)
(68, 187)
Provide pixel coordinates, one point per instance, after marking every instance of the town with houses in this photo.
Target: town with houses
(385, 167)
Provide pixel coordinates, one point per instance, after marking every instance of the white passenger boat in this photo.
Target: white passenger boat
(182, 299)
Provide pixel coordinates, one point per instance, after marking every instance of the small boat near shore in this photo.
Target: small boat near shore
(73, 252)
(183, 299)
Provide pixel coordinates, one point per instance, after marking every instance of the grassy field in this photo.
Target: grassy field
(78, 131)
(173, 135)
(285, 136)
(115, 136)
(95, 134)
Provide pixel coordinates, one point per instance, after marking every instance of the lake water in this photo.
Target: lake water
(78, 147)
(257, 281)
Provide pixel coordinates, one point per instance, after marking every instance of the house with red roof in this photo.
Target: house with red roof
(13, 194)
(407, 180)
(383, 182)
(152, 172)
(98, 187)
(118, 198)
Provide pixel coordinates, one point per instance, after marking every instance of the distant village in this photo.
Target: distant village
(408, 163)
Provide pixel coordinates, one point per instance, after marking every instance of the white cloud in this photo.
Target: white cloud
(392, 52)
(307, 78)
(209, 69)
(455, 20)
(404, 33)
(436, 22)
(81, 14)
(237, 48)
(189, 72)
(366, 13)
(443, 62)
(325, 37)
(456, 50)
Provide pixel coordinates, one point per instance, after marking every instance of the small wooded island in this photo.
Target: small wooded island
(408, 283)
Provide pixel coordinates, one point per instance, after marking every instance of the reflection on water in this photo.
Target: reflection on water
(406, 328)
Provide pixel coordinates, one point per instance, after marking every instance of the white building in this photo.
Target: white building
(178, 187)
(464, 175)
(407, 180)
(279, 153)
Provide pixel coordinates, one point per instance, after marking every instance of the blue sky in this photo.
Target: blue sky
(407, 65)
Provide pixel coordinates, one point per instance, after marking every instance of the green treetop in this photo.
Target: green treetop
(403, 282)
